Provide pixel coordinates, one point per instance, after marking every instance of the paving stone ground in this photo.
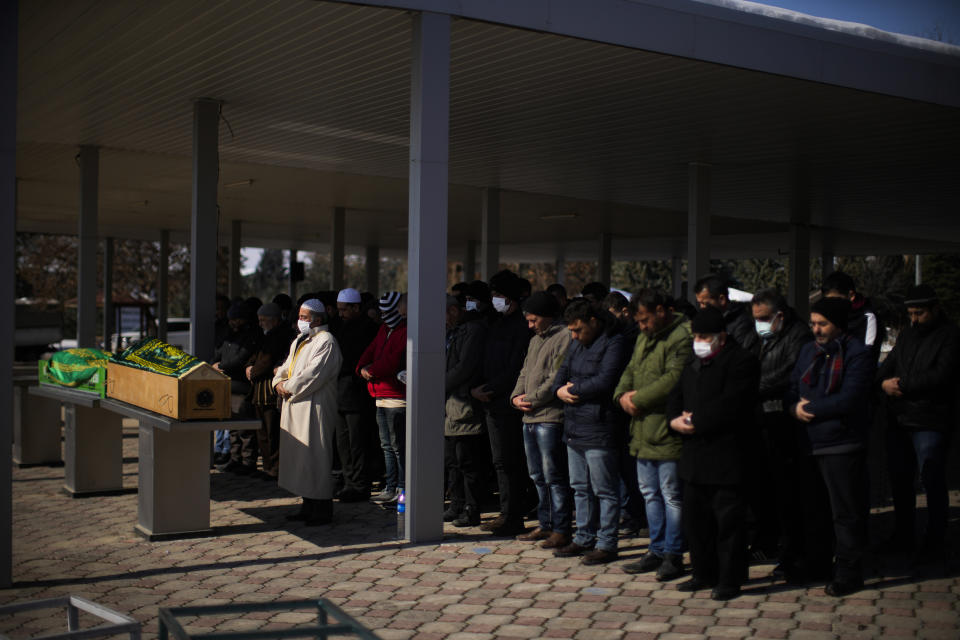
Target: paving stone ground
(470, 587)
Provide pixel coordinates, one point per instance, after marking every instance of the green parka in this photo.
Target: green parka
(652, 373)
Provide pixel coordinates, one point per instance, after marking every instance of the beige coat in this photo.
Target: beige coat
(309, 416)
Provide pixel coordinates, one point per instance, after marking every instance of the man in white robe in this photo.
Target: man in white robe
(307, 382)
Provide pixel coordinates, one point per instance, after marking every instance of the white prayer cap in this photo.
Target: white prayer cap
(314, 305)
(349, 296)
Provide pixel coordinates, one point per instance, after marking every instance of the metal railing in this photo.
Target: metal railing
(331, 621)
(117, 623)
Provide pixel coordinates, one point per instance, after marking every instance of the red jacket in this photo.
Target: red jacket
(385, 356)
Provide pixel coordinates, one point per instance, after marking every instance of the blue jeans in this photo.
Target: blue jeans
(547, 464)
(392, 424)
(221, 441)
(595, 478)
(660, 486)
(910, 452)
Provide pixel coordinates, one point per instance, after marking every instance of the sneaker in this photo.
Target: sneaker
(453, 512)
(386, 496)
(571, 550)
(599, 556)
(648, 562)
(469, 518)
(671, 568)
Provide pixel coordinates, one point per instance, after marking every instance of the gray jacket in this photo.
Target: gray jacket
(544, 357)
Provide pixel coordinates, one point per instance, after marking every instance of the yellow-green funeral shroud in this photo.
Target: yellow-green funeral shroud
(156, 356)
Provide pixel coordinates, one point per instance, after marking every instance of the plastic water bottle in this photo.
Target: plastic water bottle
(402, 516)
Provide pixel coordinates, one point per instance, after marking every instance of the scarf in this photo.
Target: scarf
(834, 366)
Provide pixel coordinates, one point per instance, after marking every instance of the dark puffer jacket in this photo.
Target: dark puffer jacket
(842, 418)
(463, 413)
(503, 355)
(594, 371)
(927, 361)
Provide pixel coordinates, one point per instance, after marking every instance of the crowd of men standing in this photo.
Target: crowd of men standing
(729, 429)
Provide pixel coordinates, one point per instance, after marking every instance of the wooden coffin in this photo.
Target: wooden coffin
(203, 393)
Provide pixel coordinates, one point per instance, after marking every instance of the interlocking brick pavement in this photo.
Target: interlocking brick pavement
(470, 587)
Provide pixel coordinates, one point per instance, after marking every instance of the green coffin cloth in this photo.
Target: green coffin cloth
(157, 356)
(74, 367)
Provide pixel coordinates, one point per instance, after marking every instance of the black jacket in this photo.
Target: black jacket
(503, 354)
(738, 319)
(927, 361)
(842, 419)
(778, 354)
(594, 371)
(272, 352)
(721, 393)
(463, 412)
(353, 337)
(234, 354)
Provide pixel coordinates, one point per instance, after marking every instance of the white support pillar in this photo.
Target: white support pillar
(676, 264)
(604, 263)
(426, 348)
(292, 283)
(469, 273)
(798, 279)
(336, 248)
(108, 310)
(372, 266)
(163, 293)
(490, 234)
(234, 279)
(698, 224)
(8, 232)
(89, 159)
(203, 228)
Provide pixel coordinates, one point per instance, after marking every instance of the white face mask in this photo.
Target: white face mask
(500, 304)
(764, 329)
(705, 349)
(304, 326)
(471, 305)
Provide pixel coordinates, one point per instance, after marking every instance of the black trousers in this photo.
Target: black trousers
(268, 438)
(509, 462)
(352, 431)
(774, 492)
(464, 464)
(714, 519)
(836, 505)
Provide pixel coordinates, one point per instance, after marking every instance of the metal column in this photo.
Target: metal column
(372, 267)
(426, 357)
(561, 266)
(490, 234)
(798, 287)
(234, 281)
(163, 298)
(677, 269)
(89, 159)
(292, 284)
(203, 228)
(8, 230)
(469, 273)
(604, 264)
(698, 225)
(336, 249)
(108, 311)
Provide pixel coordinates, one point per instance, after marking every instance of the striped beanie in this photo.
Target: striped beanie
(388, 308)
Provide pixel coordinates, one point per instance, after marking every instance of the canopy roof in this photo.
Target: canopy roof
(583, 136)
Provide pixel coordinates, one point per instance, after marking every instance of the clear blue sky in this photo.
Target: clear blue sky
(912, 17)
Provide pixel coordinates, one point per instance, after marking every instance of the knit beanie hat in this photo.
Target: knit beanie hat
(709, 320)
(507, 284)
(388, 308)
(542, 304)
(269, 310)
(920, 295)
(836, 310)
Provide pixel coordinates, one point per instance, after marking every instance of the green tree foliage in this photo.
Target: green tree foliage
(269, 278)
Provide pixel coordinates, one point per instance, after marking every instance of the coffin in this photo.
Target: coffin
(201, 393)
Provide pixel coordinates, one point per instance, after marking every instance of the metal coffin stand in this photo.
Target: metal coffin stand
(93, 442)
(36, 426)
(174, 471)
(342, 624)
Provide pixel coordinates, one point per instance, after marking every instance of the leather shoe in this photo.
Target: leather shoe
(467, 518)
(571, 550)
(509, 528)
(724, 592)
(648, 562)
(838, 589)
(555, 541)
(533, 536)
(599, 556)
(694, 584)
(496, 523)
